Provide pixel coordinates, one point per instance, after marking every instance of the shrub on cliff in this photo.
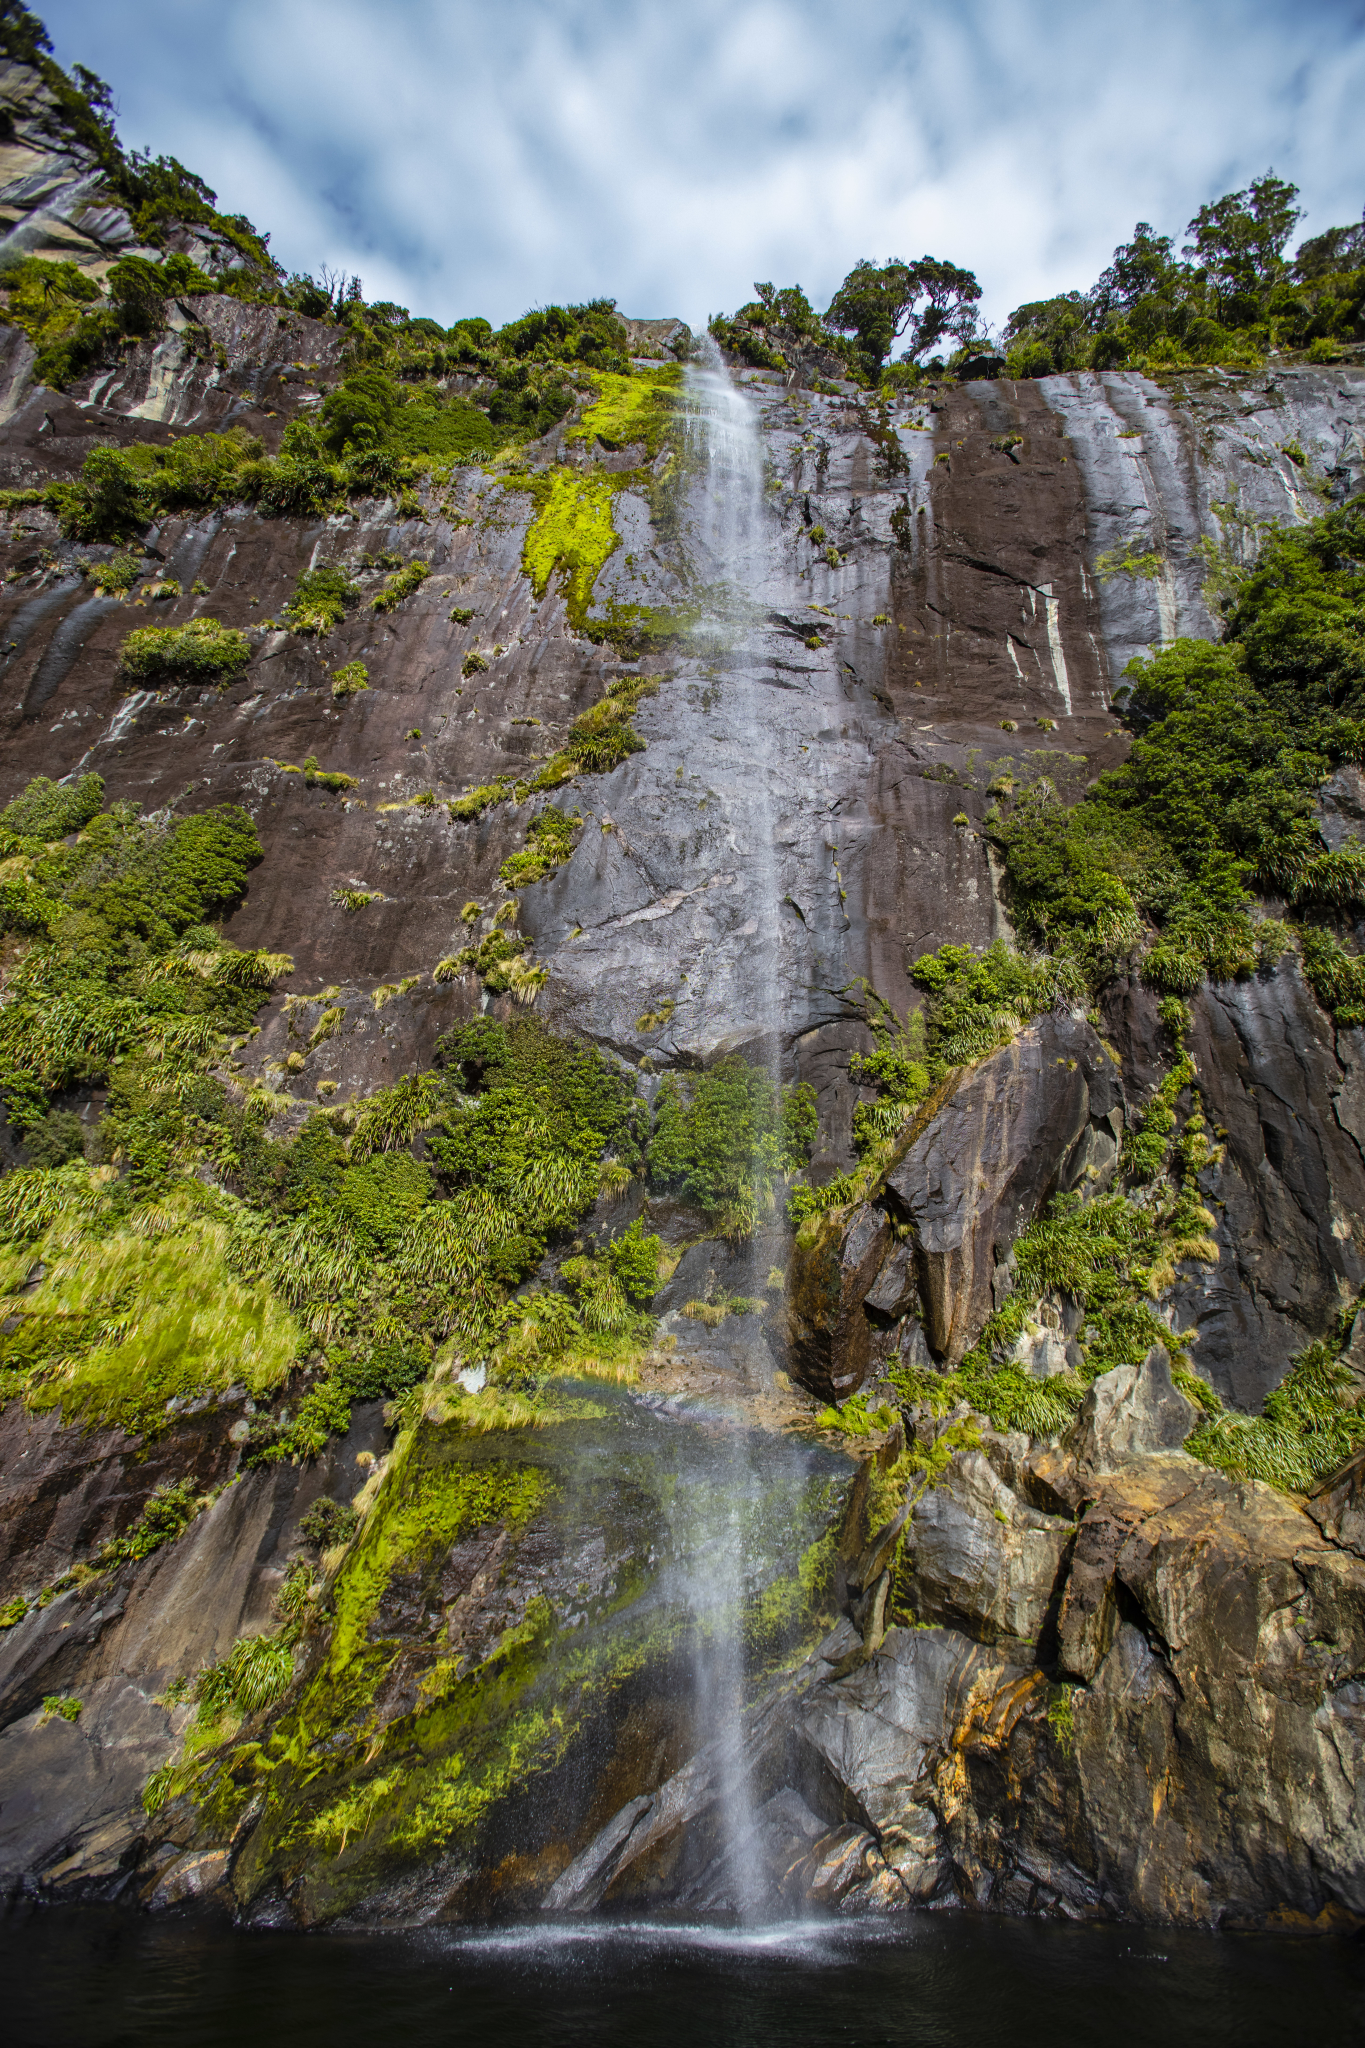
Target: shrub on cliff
(1215, 804)
(725, 1137)
(49, 810)
(203, 651)
(321, 600)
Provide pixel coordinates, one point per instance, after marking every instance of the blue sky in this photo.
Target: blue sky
(468, 158)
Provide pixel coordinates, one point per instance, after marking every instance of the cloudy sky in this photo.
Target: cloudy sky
(483, 158)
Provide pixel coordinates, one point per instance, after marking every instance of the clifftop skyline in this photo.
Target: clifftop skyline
(466, 162)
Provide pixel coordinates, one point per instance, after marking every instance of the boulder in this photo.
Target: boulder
(984, 1562)
(1017, 1127)
(1131, 1412)
(882, 1730)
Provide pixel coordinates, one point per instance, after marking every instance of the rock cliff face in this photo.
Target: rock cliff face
(1133, 1686)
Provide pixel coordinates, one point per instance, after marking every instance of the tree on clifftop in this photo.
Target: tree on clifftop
(1239, 241)
(926, 300)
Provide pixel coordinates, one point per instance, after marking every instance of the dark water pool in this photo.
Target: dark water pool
(94, 1979)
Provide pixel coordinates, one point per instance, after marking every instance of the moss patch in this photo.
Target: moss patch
(630, 410)
(572, 535)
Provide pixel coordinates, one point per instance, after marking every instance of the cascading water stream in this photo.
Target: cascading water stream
(731, 549)
(731, 542)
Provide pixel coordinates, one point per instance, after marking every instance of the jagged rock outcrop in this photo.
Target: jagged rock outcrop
(1337, 1505)
(982, 1157)
(1200, 1760)
(70, 1790)
(1130, 1413)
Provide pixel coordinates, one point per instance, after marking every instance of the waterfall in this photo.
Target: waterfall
(731, 546)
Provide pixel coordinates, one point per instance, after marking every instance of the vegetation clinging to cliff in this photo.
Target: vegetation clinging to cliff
(727, 1136)
(1214, 806)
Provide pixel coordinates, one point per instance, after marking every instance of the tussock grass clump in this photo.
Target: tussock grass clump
(349, 679)
(400, 587)
(549, 842)
(130, 1316)
(203, 651)
(321, 601)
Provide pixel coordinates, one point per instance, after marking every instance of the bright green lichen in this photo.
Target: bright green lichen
(427, 1509)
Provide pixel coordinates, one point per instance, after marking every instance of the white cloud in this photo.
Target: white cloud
(462, 158)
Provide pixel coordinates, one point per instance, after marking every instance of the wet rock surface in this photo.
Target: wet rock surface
(1197, 1760)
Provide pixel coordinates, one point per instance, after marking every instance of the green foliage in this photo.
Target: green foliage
(1336, 977)
(856, 1418)
(400, 586)
(929, 300)
(203, 651)
(1112, 1257)
(630, 410)
(1128, 561)
(253, 1675)
(571, 534)
(167, 1515)
(634, 1261)
(57, 1140)
(1309, 1424)
(328, 1522)
(592, 334)
(321, 600)
(1235, 295)
(373, 411)
(601, 738)
(973, 1003)
(431, 1508)
(118, 956)
(777, 325)
(334, 779)
(1216, 798)
(350, 679)
(498, 961)
(549, 842)
(527, 1130)
(117, 576)
(49, 810)
(61, 1706)
(976, 1001)
(603, 1309)
(724, 1137)
(1061, 1716)
(131, 1315)
(380, 1196)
